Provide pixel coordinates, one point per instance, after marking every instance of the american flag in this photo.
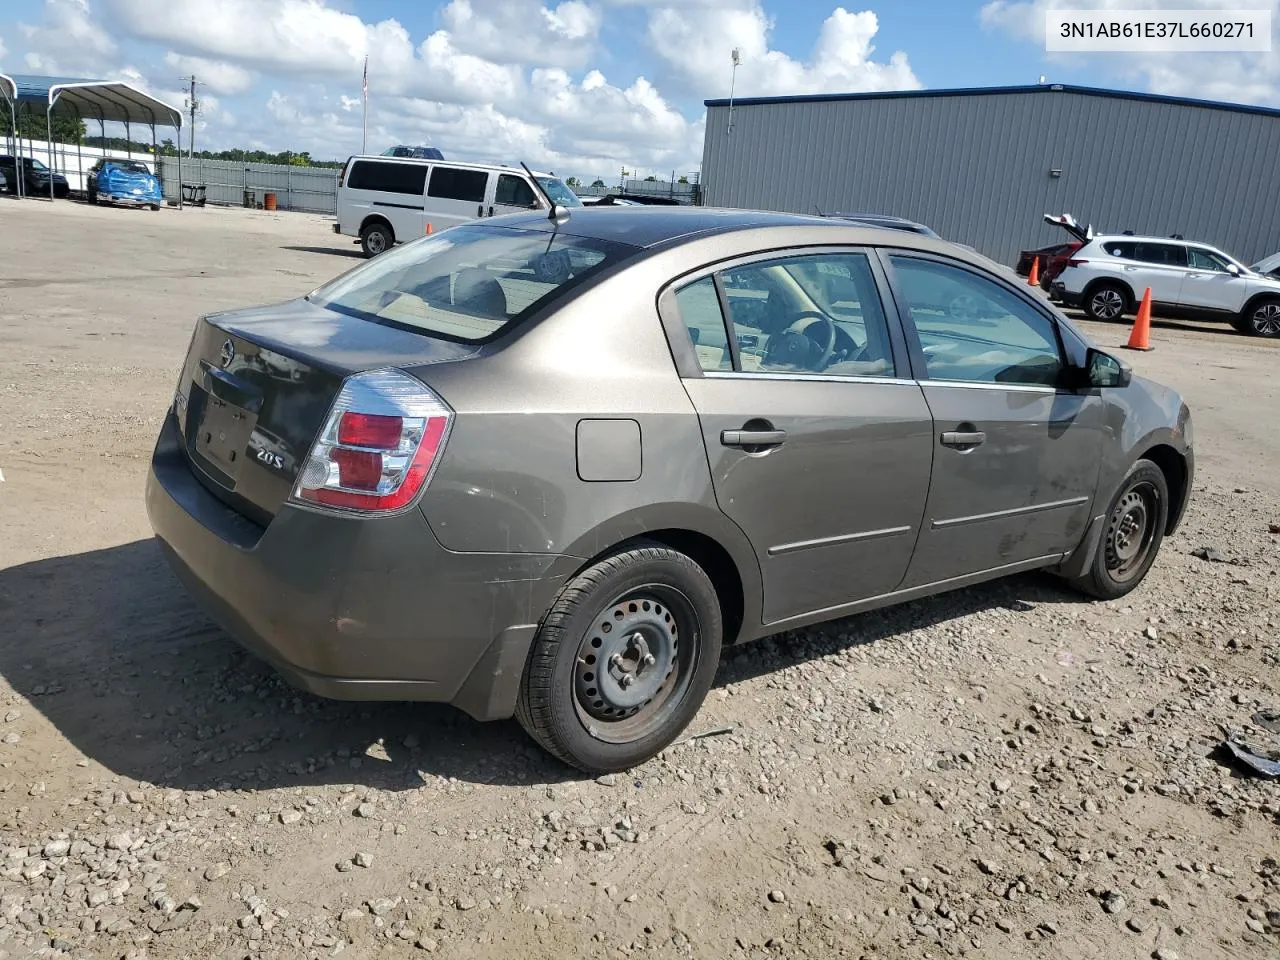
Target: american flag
(365, 86)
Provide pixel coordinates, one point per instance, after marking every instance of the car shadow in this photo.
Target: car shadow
(334, 251)
(109, 648)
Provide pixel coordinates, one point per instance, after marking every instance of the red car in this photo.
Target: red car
(1053, 258)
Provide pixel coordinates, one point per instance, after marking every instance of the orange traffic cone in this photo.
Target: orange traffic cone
(1033, 278)
(430, 229)
(1140, 338)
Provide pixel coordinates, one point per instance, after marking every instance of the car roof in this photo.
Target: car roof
(648, 226)
(449, 163)
(1110, 237)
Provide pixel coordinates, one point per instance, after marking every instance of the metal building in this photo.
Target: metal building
(981, 166)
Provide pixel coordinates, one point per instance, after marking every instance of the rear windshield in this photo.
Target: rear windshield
(129, 166)
(469, 282)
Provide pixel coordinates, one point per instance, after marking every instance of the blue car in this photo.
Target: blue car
(112, 180)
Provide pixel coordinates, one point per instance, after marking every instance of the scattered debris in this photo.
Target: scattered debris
(1208, 553)
(713, 732)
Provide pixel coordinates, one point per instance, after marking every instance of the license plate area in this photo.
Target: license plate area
(223, 411)
(223, 434)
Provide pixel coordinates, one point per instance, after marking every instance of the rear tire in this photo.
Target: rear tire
(1260, 319)
(155, 206)
(1106, 302)
(623, 660)
(376, 238)
(1135, 524)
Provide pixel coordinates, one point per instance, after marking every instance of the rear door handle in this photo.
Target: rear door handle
(956, 438)
(752, 438)
(480, 210)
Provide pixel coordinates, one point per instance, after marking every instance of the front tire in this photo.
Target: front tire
(623, 660)
(1135, 525)
(92, 196)
(1260, 319)
(1106, 302)
(376, 238)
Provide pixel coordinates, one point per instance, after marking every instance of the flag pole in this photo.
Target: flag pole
(364, 138)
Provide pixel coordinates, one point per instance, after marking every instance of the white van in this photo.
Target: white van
(388, 200)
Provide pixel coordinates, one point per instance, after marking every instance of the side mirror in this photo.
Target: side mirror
(1105, 370)
(1233, 269)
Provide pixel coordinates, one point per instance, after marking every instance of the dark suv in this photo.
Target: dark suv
(35, 178)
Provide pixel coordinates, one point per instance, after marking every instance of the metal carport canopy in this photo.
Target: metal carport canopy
(102, 100)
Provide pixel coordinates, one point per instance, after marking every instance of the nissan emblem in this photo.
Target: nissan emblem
(228, 354)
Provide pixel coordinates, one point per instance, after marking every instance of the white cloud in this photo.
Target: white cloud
(695, 41)
(1241, 77)
(67, 39)
(524, 31)
(501, 80)
(225, 78)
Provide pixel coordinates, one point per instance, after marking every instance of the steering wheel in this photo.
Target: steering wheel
(829, 347)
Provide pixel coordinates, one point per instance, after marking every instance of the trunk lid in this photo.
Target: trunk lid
(257, 386)
(1068, 223)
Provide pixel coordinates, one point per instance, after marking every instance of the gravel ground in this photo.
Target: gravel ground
(1007, 771)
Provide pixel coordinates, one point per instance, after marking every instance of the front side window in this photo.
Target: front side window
(514, 192)
(469, 282)
(973, 330)
(1199, 259)
(815, 314)
(454, 183)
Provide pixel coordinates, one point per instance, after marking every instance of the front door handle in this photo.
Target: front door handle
(959, 438)
(752, 438)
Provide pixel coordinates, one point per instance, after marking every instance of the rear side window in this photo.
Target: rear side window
(1165, 254)
(469, 282)
(699, 308)
(1123, 249)
(452, 183)
(514, 192)
(387, 177)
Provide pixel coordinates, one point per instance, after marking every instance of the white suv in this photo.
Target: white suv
(1108, 275)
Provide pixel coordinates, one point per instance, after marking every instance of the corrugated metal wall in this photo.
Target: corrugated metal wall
(976, 167)
(310, 189)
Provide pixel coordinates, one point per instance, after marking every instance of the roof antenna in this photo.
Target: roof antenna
(558, 214)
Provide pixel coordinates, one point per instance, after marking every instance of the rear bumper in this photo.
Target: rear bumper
(355, 609)
(1059, 292)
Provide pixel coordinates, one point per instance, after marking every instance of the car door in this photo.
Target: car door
(1209, 285)
(1160, 266)
(1016, 456)
(455, 195)
(511, 193)
(823, 462)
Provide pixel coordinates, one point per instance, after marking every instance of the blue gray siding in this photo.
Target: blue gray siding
(975, 167)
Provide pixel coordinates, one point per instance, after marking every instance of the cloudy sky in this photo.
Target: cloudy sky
(579, 86)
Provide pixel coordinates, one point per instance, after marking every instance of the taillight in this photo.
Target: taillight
(1076, 263)
(378, 447)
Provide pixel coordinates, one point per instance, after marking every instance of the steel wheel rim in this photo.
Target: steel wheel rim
(377, 242)
(1131, 531)
(1266, 320)
(1107, 304)
(635, 662)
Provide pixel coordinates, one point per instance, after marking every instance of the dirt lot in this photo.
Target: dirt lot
(1003, 772)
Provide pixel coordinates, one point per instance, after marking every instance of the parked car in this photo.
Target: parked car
(35, 177)
(419, 153)
(112, 180)
(1108, 276)
(1053, 258)
(4, 182)
(385, 201)
(559, 498)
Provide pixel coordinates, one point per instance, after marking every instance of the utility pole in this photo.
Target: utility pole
(192, 106)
